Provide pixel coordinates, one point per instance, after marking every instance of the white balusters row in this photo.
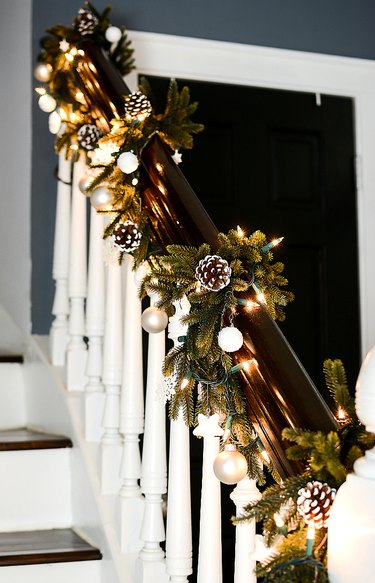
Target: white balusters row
(110, 372)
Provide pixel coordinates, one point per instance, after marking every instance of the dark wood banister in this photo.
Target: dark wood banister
(278, 391)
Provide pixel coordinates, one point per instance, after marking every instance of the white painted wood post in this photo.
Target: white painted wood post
(131, 417)
(209, 555)
(351, 532)
(59, 330)
(77, 352)
(179, 536)
(151, 563)
(94, 395)
(111, 444)
(243, 494)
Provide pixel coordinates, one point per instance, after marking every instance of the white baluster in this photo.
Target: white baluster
(77, 353)
(111, 445)
(59, 329)
(351, 532)
(94, 396)
(209, 555)
(151, 563)
(131, 417)
(179, 536)
(243, 494)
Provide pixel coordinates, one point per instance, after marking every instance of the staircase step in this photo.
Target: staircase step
(11, 358)
(45, 546)
(25, 438)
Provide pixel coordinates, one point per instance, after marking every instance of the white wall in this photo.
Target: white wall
(15, 163)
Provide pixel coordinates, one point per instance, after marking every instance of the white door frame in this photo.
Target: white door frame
(223, 62)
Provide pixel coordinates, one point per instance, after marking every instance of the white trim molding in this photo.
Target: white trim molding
(223, 62)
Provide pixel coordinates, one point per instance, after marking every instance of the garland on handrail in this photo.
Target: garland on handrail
(203, 362)
(291, 511)
(56, 70)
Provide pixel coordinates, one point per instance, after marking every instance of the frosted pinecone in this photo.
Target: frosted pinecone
(314, 503)
(88, 136)
(126, 236)
(137, 106)
(86, 22)
(213, 272)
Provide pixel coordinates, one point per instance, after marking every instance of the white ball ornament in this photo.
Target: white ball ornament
(230, 339)
(154, 320)
(84, 183)
(113, 34)
(47, 103)
(127, 162)
(42, 72)
(230, 466)
(54, 122)
(101, 198)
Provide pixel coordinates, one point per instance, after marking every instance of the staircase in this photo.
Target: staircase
(49, 524)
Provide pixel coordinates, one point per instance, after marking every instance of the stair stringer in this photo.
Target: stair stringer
(49, 406)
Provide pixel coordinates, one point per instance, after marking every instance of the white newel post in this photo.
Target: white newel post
(111, 444)
(351, 528)
(77, 352)
(179, 536)
(151, 563)
(59, 330)
(209, 555)
(131, 417)
(243, 494)
(94, 396)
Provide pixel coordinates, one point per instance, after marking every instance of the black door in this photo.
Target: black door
(280, 162)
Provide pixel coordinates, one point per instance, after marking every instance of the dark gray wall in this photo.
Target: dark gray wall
(338, 27)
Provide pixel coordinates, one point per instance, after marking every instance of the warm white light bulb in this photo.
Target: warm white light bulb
(184, 383)
(278, 520)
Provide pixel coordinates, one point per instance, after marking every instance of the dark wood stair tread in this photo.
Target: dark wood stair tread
(24, 438)
(45, 546)
(11, 358)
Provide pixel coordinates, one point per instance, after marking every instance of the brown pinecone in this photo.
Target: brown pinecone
(137, 106)
(86, 22)
(213, 272)
(126, 236)
(88, 135)
(315, 501)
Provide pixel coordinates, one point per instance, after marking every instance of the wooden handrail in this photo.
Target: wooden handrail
(278, 390)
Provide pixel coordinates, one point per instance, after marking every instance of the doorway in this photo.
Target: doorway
(283, 162)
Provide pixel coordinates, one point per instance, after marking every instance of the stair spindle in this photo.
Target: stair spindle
(131, 417)
(151, 563)
(243, 494)
(111, 444)
(209, 555)
(179, 529)
(58, 337)
(94, 396)
(77, 352)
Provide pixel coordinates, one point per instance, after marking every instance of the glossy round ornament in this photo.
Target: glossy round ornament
(54, 122)
(101, 198)
(154, 320)
(127, 162)
(113, 34)
(43, 72)
(47, 103)
(85, 183)
(230, 339)
(230, 466)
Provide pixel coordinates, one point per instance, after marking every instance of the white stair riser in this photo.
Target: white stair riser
(35, 491)
(77, 572)
(12, 399)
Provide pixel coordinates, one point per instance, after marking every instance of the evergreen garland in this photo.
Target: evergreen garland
(174, 127)
(328, 458)
(59, 50)
(199, 364)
